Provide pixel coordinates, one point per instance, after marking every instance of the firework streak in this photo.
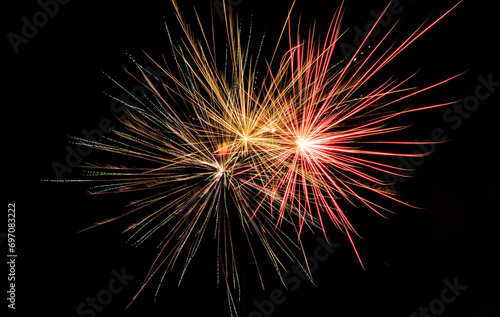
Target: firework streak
(215, 149)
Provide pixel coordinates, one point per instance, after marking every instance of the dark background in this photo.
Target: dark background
(53, 89)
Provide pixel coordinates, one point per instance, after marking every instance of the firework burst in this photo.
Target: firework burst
(214, 149)
(327, 126)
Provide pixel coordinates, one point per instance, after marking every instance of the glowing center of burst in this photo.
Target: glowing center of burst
(222, 170)
(302, 144)
(245, 137)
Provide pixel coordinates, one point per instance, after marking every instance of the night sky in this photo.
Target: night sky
(440, 260)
